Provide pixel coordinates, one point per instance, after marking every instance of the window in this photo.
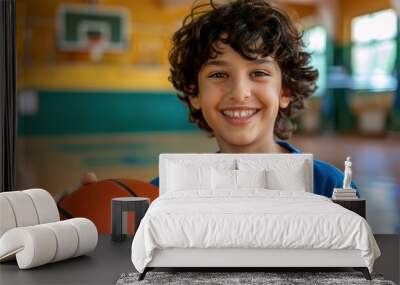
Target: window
(315, 41)
(374, 50)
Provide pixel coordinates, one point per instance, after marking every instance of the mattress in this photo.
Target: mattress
(250, 219)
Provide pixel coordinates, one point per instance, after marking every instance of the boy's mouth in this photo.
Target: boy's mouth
(239, 115)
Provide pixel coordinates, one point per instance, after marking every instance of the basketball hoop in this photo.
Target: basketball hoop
(89, 31)
(96, 46)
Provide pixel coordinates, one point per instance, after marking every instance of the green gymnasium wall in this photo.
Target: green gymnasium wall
(335, 114)
(90, 112)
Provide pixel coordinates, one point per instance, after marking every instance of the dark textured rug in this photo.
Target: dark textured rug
(243, 278)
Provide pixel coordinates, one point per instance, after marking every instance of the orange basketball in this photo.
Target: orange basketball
(93, 201)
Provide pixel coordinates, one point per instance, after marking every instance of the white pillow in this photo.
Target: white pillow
(291, 179)
(224, 179)
(183, 177)
(251, 178)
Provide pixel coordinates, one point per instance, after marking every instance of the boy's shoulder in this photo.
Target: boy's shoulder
(326, 178)
(327, 170)
(155, 181)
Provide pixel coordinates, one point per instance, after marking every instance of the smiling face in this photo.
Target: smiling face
(240, 99)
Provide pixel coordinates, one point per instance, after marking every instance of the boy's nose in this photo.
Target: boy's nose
(239, 91)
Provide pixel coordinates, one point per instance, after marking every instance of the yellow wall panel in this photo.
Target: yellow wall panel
(297, 11)
(99, 77)
(151, 26)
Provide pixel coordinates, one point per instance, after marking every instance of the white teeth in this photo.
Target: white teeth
(228, 113)
(239, 114)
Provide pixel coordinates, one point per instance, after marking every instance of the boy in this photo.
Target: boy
(241, 70)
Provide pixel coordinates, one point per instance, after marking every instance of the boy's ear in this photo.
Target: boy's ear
(195, 102)
(285, 98)
(193, 99)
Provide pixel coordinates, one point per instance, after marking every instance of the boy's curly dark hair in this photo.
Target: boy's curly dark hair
(242, 23)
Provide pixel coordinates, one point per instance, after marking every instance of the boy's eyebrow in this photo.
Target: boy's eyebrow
(263, 60)
(216, 62)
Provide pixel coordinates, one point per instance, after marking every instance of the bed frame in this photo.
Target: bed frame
(249, 259)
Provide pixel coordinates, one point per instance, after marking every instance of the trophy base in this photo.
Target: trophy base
(344, 194)
(344, 190)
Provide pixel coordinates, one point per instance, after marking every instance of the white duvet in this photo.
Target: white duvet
(250, 219)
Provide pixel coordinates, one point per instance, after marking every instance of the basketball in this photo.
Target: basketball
(93, 200)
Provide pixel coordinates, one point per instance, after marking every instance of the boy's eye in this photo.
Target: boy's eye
(259, 73)
(218, 75)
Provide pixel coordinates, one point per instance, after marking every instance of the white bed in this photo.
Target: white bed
(247, 210)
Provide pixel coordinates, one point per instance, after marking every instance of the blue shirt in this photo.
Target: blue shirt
(326, 176)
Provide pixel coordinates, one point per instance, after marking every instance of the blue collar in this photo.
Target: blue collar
(288, 146)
